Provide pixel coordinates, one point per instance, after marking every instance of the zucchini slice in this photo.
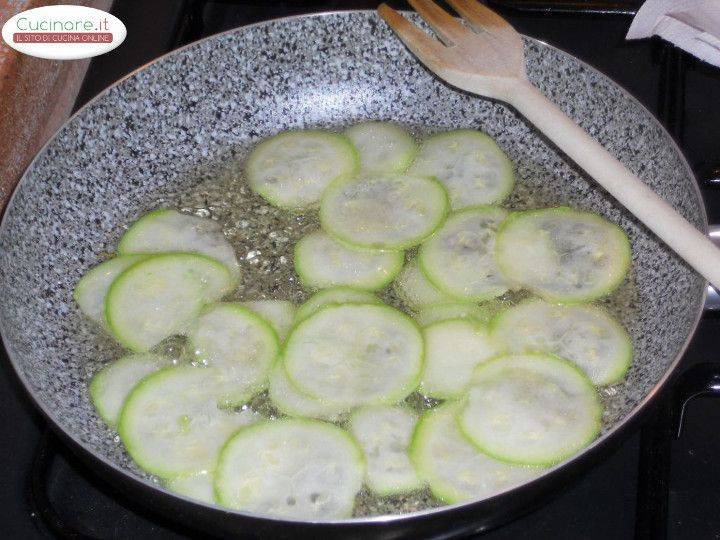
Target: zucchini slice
(563, 255)
(91, 290)
(355, 354)
(110, 386)
(434, 313)
(458, 259)
(300, 469)
(159, 296)
(163, 231)
(199, 487)
(384, 434)
(415, 290)
(531, 409)
(239, 344)
(470, 164)
(584, 334)
(453, 348)
(383, 147)
(323, 262)
(334, 295)
(171, 424)
(383, 211)
(290, 401)
(454, 469)
(292, 169)
(277, 313)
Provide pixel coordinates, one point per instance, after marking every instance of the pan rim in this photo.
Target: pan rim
(595, 446)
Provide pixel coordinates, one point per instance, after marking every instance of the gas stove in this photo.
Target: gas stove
(659, 483)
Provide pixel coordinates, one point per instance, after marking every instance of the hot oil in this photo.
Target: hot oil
(264, 238)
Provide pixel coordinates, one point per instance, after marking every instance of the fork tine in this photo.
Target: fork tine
(427, 49)
(447, 27)
(482, 18)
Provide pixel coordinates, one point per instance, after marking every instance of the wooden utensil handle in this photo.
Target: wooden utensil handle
(628, 189)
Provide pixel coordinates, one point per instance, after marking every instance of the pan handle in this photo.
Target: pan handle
(712, 301)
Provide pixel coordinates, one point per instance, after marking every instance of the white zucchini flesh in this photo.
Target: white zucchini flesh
(292, 169)
(434, 313)
(171, 424)
(355, 354)
(160, 296)
(163, 231)
(453, 348)
(110, 386)
(300, 469)
(334, 295)
(238, 343)
(280, 314)
(290, 401)
(323, 262)
(459, 260)
(470, 164)
(586, 335)
(384, 433)
(383, 211)
(383, 147)
(91, 290)
(454, 469)
(531, 409)
(415, 290)
(563, 255)
(199, 487)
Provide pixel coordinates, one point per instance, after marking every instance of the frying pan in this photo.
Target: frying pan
(190, 117)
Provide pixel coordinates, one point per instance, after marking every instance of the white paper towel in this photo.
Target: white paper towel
(692, 25)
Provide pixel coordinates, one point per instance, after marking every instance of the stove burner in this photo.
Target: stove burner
(39, 499)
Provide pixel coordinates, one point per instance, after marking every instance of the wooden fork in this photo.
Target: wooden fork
(488, 59)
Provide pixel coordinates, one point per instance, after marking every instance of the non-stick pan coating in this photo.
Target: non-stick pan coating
(193, 114)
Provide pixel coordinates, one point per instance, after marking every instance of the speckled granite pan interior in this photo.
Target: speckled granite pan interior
(191, 118)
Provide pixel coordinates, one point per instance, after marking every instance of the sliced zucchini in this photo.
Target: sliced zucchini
(383, 147)
(453, 348)
(277, 313)
(171, 424)
(453, 468)
(531, 409)
(433, 313)
(111, 385)
(91, 290)
(355, 354)
(166, 230)
(289, 400)
(199, 487)
(458, 259)
(159, 296)
(383, 211)
(563, 255)
(334, 295)
(238, 343)
(301, 469)
(415, 290)
(583, 334)
(384, 434)
(323, 262)
(292, 169)
(470, 164)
